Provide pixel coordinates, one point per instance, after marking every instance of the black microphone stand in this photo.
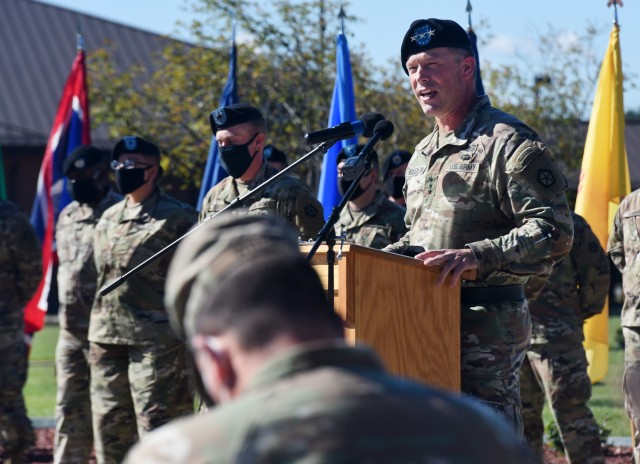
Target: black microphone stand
(234, 204)
(359, 166)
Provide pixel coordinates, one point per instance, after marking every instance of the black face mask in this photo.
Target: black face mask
(394, 186)
(83, 190)
(129, 180)
(343, 186)
(235, 159)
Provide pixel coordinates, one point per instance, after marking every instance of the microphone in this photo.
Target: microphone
(354, 165)
(365, 126)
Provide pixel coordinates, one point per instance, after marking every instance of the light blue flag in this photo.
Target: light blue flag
(343, 109)
(213, 171)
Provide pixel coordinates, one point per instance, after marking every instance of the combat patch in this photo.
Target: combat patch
(462, 167)
(532, 166)
(415, 171)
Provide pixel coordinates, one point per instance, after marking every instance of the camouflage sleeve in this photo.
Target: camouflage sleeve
(592, 268)
(531, 192)
(615, 245)
(403, 242)
(26, 256)
(309, 215)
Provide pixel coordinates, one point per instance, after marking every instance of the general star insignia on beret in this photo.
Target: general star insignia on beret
(220, 117)
(422, 35)
(129, 142)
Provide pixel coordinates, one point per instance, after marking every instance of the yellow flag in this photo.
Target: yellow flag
(604, 181)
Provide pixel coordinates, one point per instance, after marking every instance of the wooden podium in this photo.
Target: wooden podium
(391, 303)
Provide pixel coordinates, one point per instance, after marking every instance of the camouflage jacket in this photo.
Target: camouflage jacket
(624, 249)
(289, 197)
(376, 226)
(20, 270)
(493, 187)
(576, 290)
(76, 267)
(124, 237)
(329, 403)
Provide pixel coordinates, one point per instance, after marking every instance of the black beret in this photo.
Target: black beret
(271, 153)
(232, 115)
(134, 144)
(425, 34)
(83, 156)
(354, 150)
(395, 159)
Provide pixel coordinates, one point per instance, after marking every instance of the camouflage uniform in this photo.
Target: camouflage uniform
(289, 197)
(328, 403)
(376, 226)
(138, 372)
(490, 186)
(624, 249)
(76, 291)
(556, 363)
(20, 271)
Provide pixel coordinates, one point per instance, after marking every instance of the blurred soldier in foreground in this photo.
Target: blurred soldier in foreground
(624, 249)
(369, 218)
(241, 131)
(393, 175)
(483, 193)
(20, 272)
(86, 169)
(556, 364)
(138, 370)
(270, 351)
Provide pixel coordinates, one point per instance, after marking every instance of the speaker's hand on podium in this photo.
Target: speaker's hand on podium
(452, 262)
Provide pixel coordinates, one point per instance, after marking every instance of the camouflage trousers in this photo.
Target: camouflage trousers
(16, 433)
(135, 389)
(73, 441)
(631, 383)
(562, 378)
(494, 339)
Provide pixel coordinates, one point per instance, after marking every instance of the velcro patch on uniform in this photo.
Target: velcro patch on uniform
(415, 171)
(463, 167)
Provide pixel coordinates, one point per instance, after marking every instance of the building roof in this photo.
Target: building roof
(38, 48)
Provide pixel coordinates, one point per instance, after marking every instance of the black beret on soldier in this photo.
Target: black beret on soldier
(134, 144)
(354, 150)
(394, 160)
(82, 157)
(425, 34)
(232, 115)
(272, 153)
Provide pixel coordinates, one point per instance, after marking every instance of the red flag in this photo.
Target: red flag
(70, 128)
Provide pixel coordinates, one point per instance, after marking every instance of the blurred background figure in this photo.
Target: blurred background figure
(275, 157)
(393, 169)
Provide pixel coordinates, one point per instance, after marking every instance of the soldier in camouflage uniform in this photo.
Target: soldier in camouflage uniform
(624, 249)
(483, 194)
(556, 364)
(138, 370)
(20, 271)
(87, 171)
(270, 350)
(369, 218)
(394, 169)
(241, 132)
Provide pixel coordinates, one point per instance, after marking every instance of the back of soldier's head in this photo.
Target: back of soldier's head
(244, 274)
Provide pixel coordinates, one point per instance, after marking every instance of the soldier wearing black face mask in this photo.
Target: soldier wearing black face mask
(369, 218)
(88, 185)
(241, 132)
(393, 170)
(138, 365)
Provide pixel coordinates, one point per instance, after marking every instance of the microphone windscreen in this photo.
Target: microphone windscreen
(370, 120)
(385, 128)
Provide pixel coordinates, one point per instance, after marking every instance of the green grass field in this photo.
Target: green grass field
(606, 402)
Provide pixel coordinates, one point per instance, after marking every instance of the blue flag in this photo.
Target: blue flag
(213, 171)
(343, 109)
(473, 39)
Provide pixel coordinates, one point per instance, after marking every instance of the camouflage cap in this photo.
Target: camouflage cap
(82, 157)
(425, 34)
(135, 145)
(224, 242)
(232, 115)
